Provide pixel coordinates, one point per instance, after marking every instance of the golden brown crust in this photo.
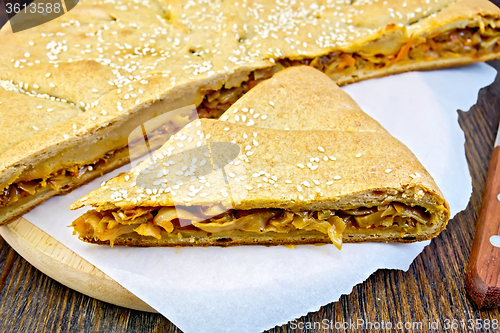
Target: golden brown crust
(421, 66)
(305, 99)
(115, 65)
(366, 166)
(347, 161)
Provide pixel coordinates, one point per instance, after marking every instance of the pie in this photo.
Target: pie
(294, 161)
(73, 89)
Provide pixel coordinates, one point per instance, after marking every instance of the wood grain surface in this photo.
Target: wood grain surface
(432, 292)
(482, 278)
(60, 263)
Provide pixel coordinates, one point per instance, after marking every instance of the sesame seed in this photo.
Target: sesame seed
(388, 170)
(300, 165)
(271, 103)
(337, 177)
(358, 155)
(330, 182)
(35, 128)
(321, 149)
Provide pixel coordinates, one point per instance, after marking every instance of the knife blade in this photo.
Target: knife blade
(482, 278)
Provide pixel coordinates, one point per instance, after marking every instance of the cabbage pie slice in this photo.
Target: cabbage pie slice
(321, 172)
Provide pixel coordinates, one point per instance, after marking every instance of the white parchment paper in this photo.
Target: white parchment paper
(253, 288)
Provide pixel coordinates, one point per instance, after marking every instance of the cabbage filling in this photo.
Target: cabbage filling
(166, 221)
(57, 181)
(471, 41)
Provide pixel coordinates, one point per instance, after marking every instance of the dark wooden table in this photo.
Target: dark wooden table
(431, 292)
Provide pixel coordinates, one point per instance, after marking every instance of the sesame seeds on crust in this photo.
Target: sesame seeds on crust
(111, 59)
(257, 181)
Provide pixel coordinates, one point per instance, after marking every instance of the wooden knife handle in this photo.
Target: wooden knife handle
(482, 279)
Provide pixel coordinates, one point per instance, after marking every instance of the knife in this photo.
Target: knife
(482, 278)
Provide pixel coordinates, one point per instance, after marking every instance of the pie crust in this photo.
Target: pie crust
(81, 83)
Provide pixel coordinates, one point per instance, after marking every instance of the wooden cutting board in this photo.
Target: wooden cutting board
(63, 265)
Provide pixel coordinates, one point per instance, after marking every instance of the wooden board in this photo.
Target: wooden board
(63, 265)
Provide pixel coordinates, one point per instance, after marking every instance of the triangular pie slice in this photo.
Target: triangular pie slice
(342, 178)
